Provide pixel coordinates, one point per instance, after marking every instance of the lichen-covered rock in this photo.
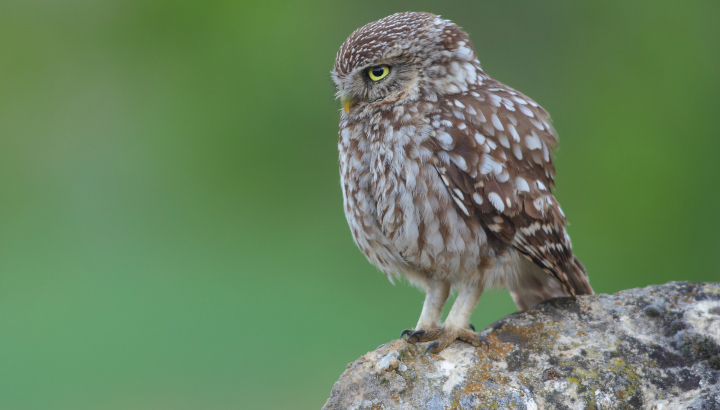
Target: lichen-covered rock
(652, 348)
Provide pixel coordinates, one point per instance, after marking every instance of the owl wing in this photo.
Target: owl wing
(493, 152)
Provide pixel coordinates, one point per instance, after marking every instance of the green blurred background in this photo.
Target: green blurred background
(171, 226)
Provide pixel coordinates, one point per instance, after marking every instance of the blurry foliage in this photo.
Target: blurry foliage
(171, 226)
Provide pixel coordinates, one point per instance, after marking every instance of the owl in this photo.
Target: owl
(447, 174)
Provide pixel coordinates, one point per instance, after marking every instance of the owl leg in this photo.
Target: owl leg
(457, 324)
(435, 296)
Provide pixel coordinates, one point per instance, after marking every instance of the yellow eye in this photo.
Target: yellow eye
(379, 72)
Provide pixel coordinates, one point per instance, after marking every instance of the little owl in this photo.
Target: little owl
(447, 174)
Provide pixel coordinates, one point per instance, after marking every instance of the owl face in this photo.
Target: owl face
(382, 82)
(396, 59)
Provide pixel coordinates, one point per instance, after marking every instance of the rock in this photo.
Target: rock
(651, 348)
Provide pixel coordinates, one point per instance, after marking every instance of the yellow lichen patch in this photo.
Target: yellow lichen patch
(588, 374)
(628, 381)
(525, 379)
(712, 288)
(620, 367)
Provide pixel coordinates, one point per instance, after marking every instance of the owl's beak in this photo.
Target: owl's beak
(347, 101)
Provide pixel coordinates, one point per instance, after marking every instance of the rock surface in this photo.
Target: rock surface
(650, 348)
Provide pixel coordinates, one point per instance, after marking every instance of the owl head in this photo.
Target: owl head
(399, 58)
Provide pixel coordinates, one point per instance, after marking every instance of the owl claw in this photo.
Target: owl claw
(473, 338)
(482, 339)
(405, 332)
(472, 327)
(416, 336)
(431, 346)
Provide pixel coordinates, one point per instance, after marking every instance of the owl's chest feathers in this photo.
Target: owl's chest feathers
(404, 208)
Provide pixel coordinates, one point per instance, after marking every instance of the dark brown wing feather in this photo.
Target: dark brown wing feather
(494, 153)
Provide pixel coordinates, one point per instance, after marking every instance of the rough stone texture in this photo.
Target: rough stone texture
(651, 348)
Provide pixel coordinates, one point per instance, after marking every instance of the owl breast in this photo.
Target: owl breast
(400, 213)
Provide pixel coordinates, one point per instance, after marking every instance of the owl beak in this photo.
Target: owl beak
(347, 101)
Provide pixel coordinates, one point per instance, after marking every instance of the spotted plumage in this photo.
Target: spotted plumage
(447, 173)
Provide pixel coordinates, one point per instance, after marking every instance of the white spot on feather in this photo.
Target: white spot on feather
(452, 89)
(470, 72)
(508, 104)
(513, 133)
(496, 201)
(525, 110)
(537, 124)
(444, 138)
(517, 151)
(504, 141)
(454, 68)
(490, 165)
(546, 152)
(460, 162)
(464, 53)
(461, 206)
(496, 122)
(503, 176)
(533, 141)
(478, 199)
(539, 204)
(522, 184)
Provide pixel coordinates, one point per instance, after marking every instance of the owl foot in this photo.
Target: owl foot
(442, 337)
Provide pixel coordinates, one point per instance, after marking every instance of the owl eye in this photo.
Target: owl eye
(379, 72)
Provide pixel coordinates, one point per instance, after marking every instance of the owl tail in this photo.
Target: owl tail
(577, 276)
(533, 285)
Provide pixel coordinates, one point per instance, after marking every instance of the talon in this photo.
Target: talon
(482, 339)
(415, 336)
(472, 327)
(431, 346)
(405, 332)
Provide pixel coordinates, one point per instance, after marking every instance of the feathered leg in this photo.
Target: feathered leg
(436, 293)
